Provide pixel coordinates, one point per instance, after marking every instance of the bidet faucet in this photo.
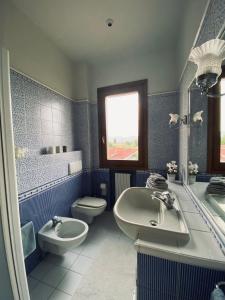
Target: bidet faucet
(165, 197)
(56, 220)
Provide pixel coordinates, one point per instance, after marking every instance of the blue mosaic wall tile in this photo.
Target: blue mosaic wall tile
(43, 206)
(213, 21)
(159, 278)
(82, 131)
(35, 171)
(94, 135)
(199, 133)
(163, 141)
(41, 118)
(19, 123)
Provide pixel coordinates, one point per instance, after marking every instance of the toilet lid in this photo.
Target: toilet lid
(91, 202)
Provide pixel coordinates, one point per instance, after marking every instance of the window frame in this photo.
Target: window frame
(214, 115)
(140, 86)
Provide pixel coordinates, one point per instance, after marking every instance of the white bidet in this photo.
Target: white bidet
(60, 237)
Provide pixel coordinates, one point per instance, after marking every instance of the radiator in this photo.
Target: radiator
(122, 182)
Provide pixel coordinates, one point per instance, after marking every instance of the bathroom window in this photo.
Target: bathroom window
(122, 112)
(216, 129)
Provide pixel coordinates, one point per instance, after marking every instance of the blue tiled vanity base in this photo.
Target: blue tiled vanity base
(41, 207)
(161, 279)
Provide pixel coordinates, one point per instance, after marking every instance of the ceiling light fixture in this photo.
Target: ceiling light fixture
(109, 22)
(208, 57)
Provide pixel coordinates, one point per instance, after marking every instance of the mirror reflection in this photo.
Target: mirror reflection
(207, 148)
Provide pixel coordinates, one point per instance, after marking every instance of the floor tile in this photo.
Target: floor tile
(32, 283)
(54, 276)
(82, 264)
(41, 270)
(94, 270)
(70, 282)
(93, 248)
(111, 276)
(77, 250)
(65, 261)
(41, 292)
(58, 295)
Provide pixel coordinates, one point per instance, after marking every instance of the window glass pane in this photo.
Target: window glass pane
(222, 122)
(122, 126)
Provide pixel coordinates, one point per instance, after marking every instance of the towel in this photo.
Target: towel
(217, 294)
(216, 186)
(156, 181)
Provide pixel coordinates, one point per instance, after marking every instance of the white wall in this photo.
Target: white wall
(32, 53)
(159, 68)
(191, 23)
(81, 81)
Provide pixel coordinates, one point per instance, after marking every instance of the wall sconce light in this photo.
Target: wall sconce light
(208, 57)
(177, 120)
(197, 117)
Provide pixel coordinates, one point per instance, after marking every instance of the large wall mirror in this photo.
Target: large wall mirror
(207, 149)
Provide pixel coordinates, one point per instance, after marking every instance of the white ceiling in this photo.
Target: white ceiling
(78, 26)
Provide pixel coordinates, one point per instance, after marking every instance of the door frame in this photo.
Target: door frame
(9, 205)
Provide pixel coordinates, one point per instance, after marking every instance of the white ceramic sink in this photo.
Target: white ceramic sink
(137, 213)
(60, 238)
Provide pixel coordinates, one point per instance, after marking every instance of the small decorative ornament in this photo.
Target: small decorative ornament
(20, 152)
(197, 117)
(174, 118)
(58, 149)
(193, 171)
(52, 150)
(172, 169)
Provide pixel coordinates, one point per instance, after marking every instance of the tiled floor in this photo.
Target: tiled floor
(102, 268)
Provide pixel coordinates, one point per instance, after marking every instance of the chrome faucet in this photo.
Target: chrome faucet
(165, 197)
(56, 220)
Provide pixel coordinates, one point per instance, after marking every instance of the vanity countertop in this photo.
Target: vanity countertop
(201, 250)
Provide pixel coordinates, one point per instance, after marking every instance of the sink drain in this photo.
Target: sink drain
(153, 222)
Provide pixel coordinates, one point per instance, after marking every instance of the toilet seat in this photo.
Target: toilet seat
(90, 202)
(87, 208)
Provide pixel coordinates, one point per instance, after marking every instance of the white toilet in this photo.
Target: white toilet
(87, 208)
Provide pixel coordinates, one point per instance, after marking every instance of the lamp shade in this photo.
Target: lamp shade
(208, 57)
